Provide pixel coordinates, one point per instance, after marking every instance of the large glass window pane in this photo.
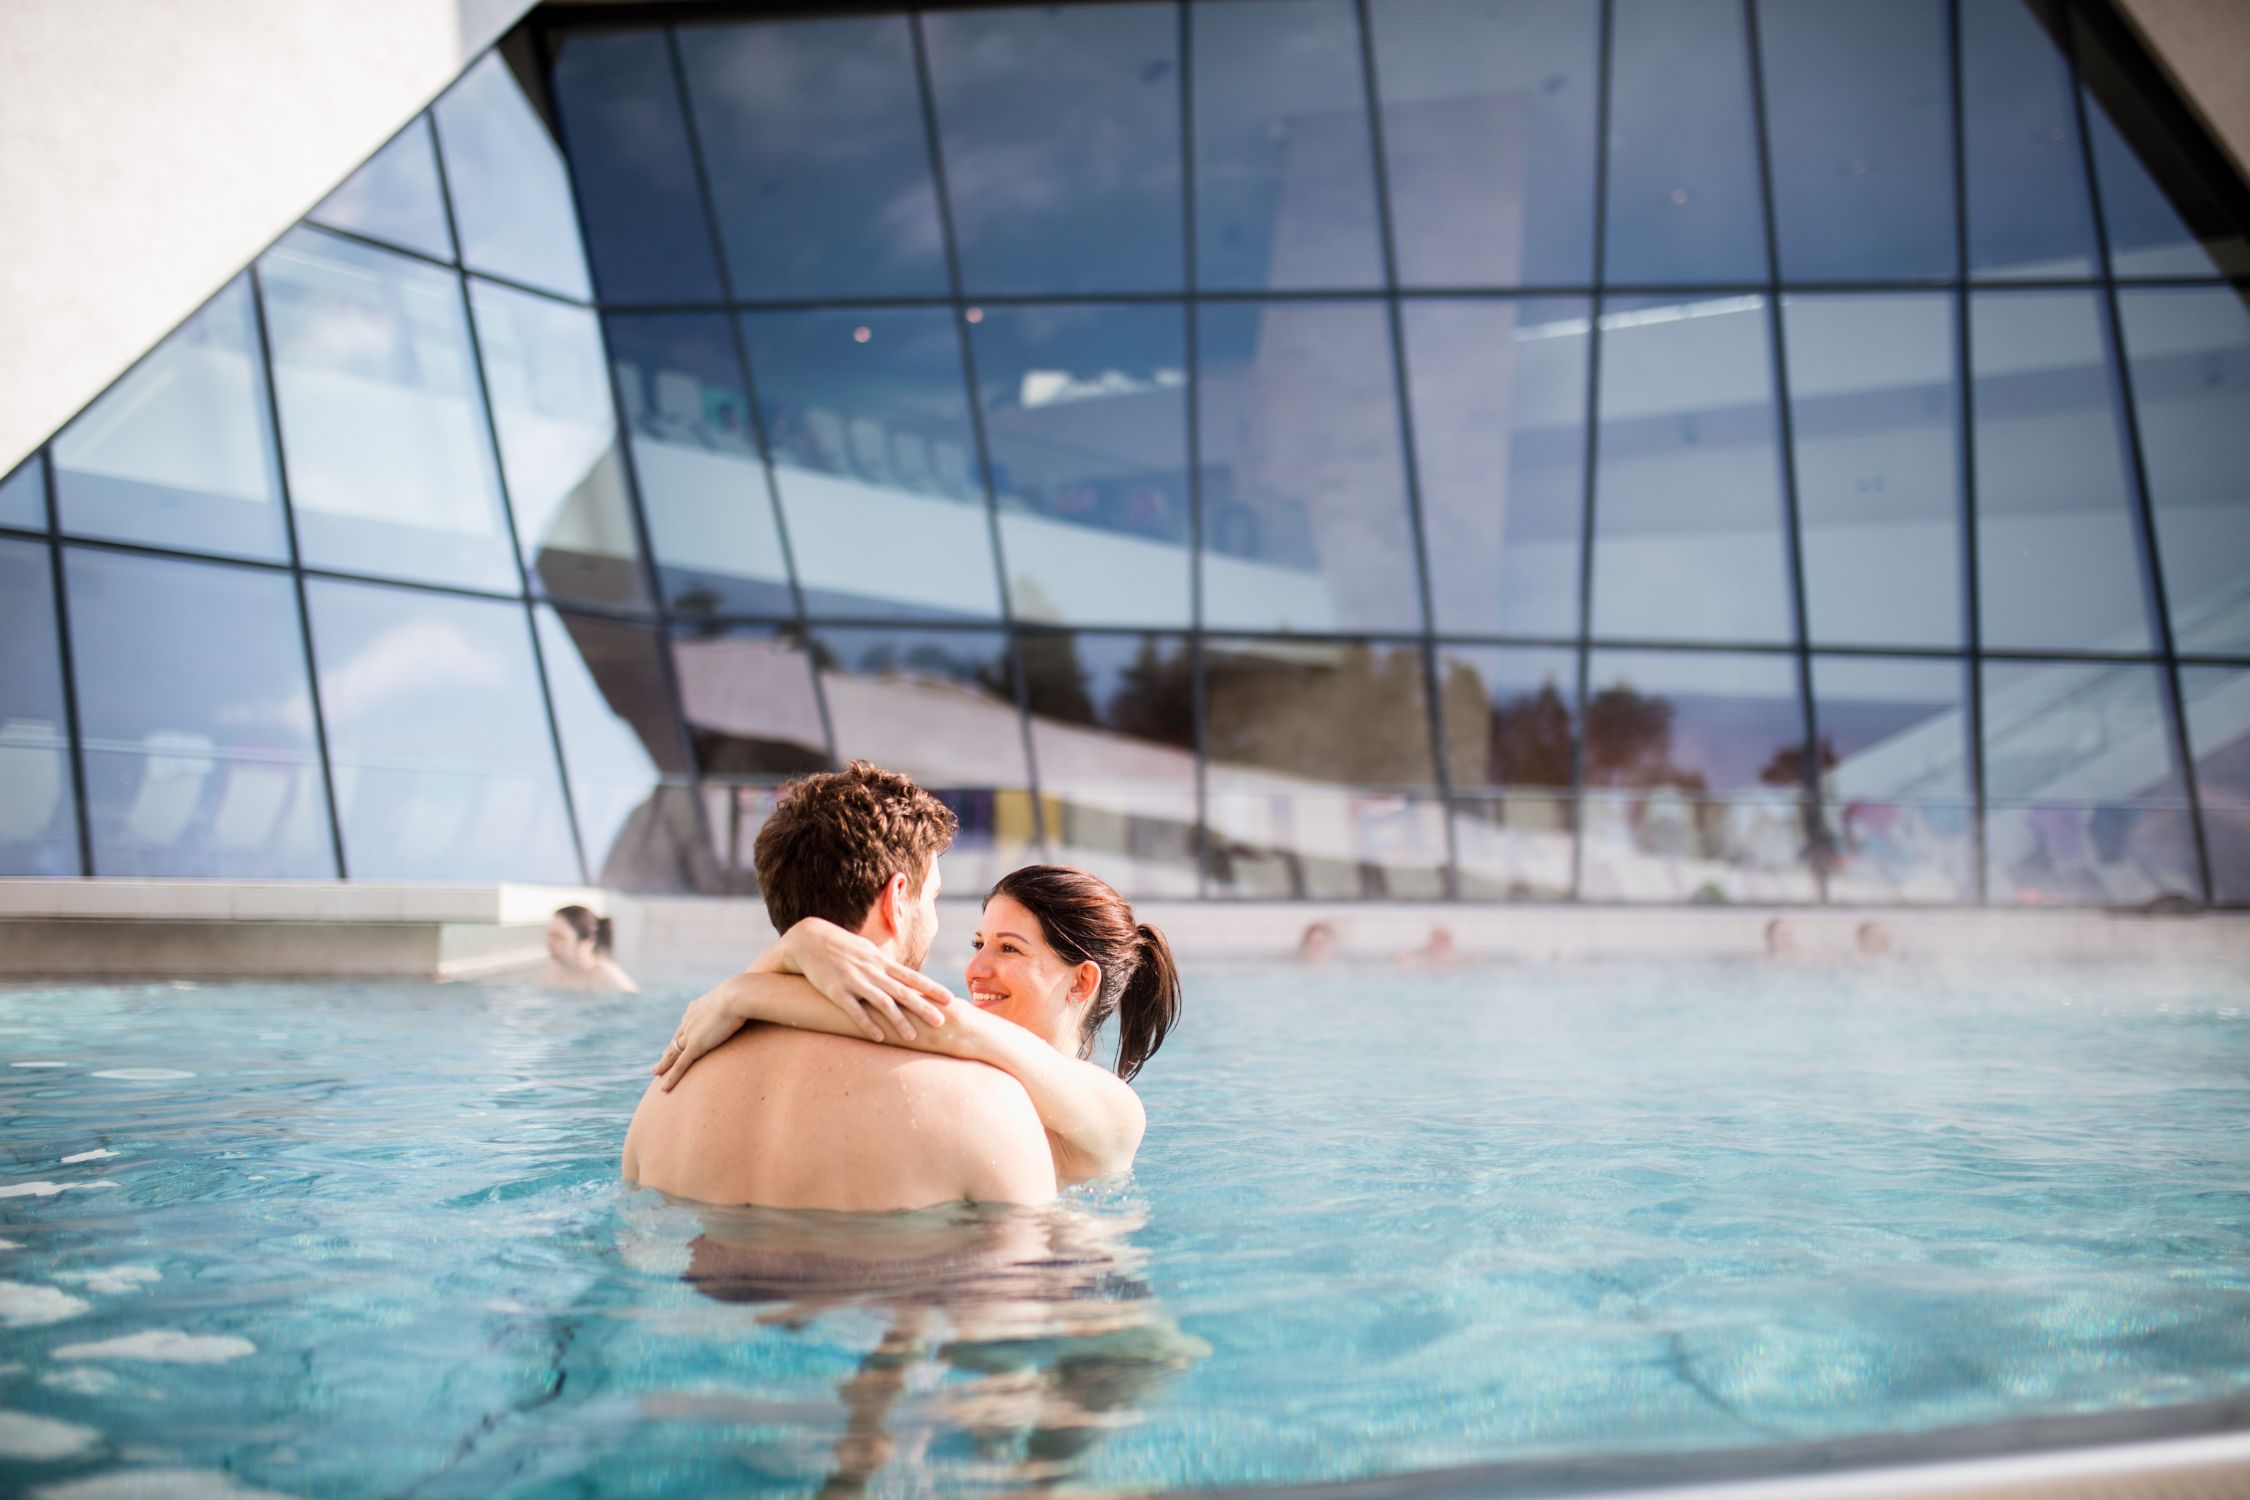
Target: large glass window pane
(1858, 123)
(438, 737)
(1499, 402)
(38, 805)
(1695, 779)
(1875, 410)
(1284, 162)
(390, 462)
(2189, 353)
(557, 424)
(819, 163)
(1113, 735)
(1895, 779)
(179, 453)
(702, 484)
(1688, 540)
(1488, 137)
(2026, 173)
(1683, 171)
(2058, 554)
(1510, 721)
(1061, 128)
(630, 781)
(2083, 800)
(23, 495)
(635, 173)
(753, 721)
(1303, 800)
(1085, 411)
(510, 186)
(867, 423)
(1304, 482)
(939, 705)
(196, 708)
(2218, 726)
(395, 197)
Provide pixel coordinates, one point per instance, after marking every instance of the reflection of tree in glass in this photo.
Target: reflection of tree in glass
(1349, 718)
(1055, 679)
(1787, 768)
(1157, 699)
(1531, 740)
(1629, 742)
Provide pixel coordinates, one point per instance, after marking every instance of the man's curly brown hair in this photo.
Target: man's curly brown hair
(836, 837)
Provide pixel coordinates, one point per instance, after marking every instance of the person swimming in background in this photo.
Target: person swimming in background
(578, 953)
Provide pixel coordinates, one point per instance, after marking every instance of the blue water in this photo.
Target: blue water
(1383, 1222)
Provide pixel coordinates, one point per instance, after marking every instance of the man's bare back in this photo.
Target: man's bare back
(796, 1119)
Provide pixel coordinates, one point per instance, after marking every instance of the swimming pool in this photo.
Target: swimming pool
(359, 1240)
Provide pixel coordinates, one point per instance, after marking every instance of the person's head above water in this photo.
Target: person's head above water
(577, 938)
(1059, 952)
(858, 847)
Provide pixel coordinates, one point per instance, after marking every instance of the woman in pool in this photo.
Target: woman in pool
(1057, 954)
(578, 958)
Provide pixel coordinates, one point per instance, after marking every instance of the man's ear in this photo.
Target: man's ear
(890, 906)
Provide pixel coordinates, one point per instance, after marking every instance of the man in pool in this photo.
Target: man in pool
(786, 1118)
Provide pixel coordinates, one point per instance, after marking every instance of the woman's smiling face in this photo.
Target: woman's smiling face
(1015, 974)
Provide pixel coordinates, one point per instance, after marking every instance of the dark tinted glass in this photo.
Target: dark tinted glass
(1061, 129)
(179, 453)
(1113, 735)
(2218, 726)
(1304, 485)
(1303, 801)
(2084, 804)
(1859, 126)
(819, 163)
(438, 737)
(939, 705)
(23, 495)
(1688, 541)
(1085, 410)
(38, 807)
(703, 487)
(1510, 724)
(1284, 163)
(510, 186)
(1695, 779)
(395, 197)
(867, 423)
(1895, 779)
(198, 720)
(630, 782)
(1488, 137)
(2026, 173)
(629, 158)
(553, 414)
(1683, 170)
(2188, 350)
(2058, 555)
(1875, 412)
(390, 459)
(1499, 403)
(747, 694)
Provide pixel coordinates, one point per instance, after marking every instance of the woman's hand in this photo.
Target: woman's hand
(708, 1022)
(859, 979)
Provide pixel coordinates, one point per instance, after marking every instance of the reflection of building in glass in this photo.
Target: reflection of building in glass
(1617, 450)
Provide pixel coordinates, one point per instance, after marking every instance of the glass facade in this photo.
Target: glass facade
(1608, 450)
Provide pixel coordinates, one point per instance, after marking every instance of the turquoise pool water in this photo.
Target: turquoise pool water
(331, 1240)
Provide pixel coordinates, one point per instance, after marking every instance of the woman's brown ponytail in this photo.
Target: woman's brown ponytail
(1150, 1003)
(1084, 919)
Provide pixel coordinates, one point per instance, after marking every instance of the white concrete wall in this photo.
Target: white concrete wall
(149, 149)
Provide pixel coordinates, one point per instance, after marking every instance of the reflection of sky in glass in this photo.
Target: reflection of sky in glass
(23, 495)
(510, 187)
(2026, 176)
(395, 197)
(1858, 123)
(1085, 410)
(1061, 129)
(1284, 162)
(1683, 172)
(390, 462)
(819, 163)
(179, 453)
(1488, 138)
(1875, 416)
(551, 410)
(635, 174)
(1898, 727)
(38, 816)
(197, 715)
(867, 423)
